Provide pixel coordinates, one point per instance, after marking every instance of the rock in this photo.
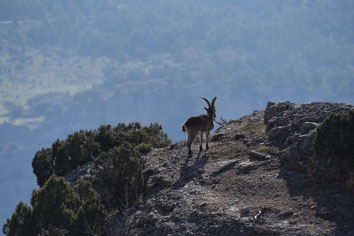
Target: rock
(173, 146)
(327, 213)
(295, 116)
(350, 181)
(258, 155)
(307, 126)
(244, 212)
(274, 112)
(292, 139)
(247, 142)
(258, 215)
(279, 134)
(81, 172)
(239, 136)
(285, 215)
(217, 137)
(293, 129)
(159, 182)
(343, 200)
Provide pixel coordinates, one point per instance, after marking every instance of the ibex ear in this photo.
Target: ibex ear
(206, 109)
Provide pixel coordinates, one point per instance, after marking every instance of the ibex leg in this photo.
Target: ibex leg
(191, 137)
(207, 140)
(201, 141)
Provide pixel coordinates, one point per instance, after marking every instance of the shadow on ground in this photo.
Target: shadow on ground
(330, 203)
(189, 171)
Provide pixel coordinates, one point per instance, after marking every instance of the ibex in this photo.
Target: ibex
(201, 123)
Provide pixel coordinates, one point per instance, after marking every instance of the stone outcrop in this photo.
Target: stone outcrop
(240, 187)
(254, 180)
(292, 128)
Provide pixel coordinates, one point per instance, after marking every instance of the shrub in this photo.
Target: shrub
(64, 156)
(42, 165)
(155, 136)
(335, 136)
(78, 149)
(118, 173)
(106, 137)
(20, 222)
(92, 214)
(84, 146)
(55, 204)
(57, 210)
(143, 148)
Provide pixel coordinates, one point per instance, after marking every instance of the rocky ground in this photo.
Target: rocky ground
(260, 176)
(241, 185)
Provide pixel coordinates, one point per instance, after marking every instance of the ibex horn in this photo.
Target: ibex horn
(206, 101)
(213, 101)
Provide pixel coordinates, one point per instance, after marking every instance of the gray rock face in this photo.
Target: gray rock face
(82, 172)
(292, 128)
(258, 155)
(286, 119)
(307, 126)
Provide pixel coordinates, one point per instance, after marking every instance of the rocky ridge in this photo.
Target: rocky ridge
(243, 185)
(292, 128)
(259, 177)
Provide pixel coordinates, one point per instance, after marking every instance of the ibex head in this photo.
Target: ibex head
(211, 107)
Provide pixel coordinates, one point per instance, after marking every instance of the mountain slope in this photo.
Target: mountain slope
(240, 185)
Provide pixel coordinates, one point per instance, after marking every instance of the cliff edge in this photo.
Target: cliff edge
(259, 177)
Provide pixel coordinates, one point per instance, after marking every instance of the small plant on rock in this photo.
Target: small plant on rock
(335, 137)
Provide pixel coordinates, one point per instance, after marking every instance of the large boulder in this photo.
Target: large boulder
(293, 128)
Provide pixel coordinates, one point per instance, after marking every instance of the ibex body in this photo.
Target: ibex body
(202, 123)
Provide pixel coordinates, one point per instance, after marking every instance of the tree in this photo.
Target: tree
(84, 146)
(119, 174)
(42, 165)
(20, 222)
(92, 214)
(55, 204)
(335, 136)
(57, 209)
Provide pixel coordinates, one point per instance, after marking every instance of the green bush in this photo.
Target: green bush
(143, 148)
(84, 146)
(55, 204)
(78, 149)
(91, 212)
(118, 174)
(42, 165)
(58, 209)
(64, 156)
(118, 170)
(20, 222)
(335, 136)
(106, 137)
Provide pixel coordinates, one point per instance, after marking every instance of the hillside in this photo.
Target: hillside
(273, 172)
(241, 185)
